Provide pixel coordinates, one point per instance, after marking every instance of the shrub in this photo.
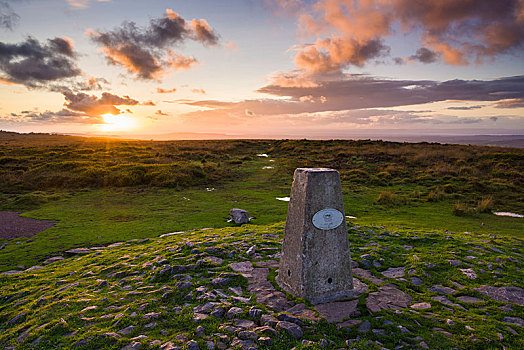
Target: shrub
(435, 196)
(462, 209)
(390, 198)
(485, 205)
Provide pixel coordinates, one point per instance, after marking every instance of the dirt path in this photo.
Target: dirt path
(12, 225)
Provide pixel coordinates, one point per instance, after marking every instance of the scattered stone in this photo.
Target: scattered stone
(255, 313)
(244, 324)
(470, 273)
(300, 310)
(134, 345)
(514, 320)
(78, 251)
(290, 328)
(53, 259)
(17, 318)
(441, 289)
(387, 297)
(421, 306)
(290, 318)
(268, 320)
(446, 301)
(239, 216)
(244, 266)
(337, 311)
(364, 327)
(199, 317)
(243, 344)
(247, 335)
(509, 294)
(234, 312)
(266, 330)
(366, 274)
(266, 341)
(379, 331)
(220, 281)
(252, 250)
(469, 300)
(416, 281)
(89, 308)
(127, 330)
(192, 345)
(455, 262)
(348, 323)
(394, 272)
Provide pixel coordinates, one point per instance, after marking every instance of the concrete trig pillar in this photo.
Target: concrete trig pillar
(316, 262)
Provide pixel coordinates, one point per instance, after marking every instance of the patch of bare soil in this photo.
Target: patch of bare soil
(12, 225)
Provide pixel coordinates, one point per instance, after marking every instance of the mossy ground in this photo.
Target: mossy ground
(67, 303)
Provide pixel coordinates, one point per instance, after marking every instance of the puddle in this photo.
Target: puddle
(350, 217)
(209, 189)
(262, 155)
(268, 167)
(505, 213)
(283, 199)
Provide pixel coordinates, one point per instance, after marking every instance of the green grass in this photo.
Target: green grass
(424, 181)
(58, 318)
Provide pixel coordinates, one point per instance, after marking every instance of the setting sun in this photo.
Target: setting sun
(117, 123)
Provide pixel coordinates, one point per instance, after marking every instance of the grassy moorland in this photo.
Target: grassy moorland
(101, 191)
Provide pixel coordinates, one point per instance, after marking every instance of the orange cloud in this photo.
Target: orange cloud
(456, 31)
(147, 52)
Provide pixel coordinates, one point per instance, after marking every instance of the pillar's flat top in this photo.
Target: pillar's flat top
(315, 170)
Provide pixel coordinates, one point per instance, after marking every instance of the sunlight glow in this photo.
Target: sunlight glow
(117, 123)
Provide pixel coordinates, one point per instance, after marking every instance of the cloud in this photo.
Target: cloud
(455, 31)
(81, 4)
(465, 108)
(8, 18)
(49, 117)
(96, 106)
(424, 55)
(510, 103)
(159, 112)
(198, 91)
(354, 92)
(36, 65)
(354, 100)
(147, 52)
(165, 91)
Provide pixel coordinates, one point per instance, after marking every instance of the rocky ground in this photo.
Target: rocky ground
(215, 289)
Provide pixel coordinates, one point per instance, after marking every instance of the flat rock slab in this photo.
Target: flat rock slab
(243, 266)
(14, 226)
(387, 297)
(446, 301)
(395, 272)
(337, 311)
(366, 274)
(300, 311)
(264, 290)
(348, 323)
(442, 290)
(470, 300)
(78, 251)
(514, 320)
(509, 294)
(470, 273)
(421, 306)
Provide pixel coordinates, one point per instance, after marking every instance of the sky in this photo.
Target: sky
(262, 68)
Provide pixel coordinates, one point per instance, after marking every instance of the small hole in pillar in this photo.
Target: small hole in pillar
(330, 280)
(289, 272)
